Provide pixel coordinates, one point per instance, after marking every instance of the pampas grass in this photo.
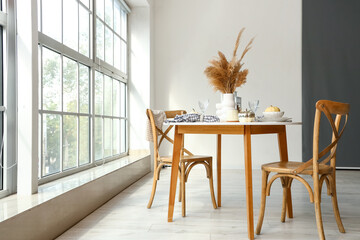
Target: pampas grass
(225, 76)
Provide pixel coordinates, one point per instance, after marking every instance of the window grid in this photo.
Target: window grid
(64, 52)
(109, 118)
(61, 113)
(122, 69)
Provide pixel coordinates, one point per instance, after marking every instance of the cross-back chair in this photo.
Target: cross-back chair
(187, 162)
(320, 167)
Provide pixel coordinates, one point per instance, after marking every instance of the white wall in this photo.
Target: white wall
(188, 33)
(139, 76)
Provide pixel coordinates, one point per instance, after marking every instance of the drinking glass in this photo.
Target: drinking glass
(203, 104)
(254, 105)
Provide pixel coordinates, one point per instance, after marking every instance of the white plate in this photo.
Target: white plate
(283, 119)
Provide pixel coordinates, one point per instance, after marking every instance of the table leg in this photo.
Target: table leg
(282, 142)
(218, 159)
(248, 181)
(178, 139)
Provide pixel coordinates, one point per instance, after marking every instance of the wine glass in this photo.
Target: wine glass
(203, 104)
(254, 105)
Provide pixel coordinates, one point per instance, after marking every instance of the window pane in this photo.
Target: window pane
(100, 8)
(123, 100)
(98, 92)
(99, 39)
(2, 155)
(107, 137)
(84, 25)
(107, 96)
(39, 74)
(70, 135)
(70, 19)
(40, 139)
(85, 2)
(51, 144)
(117, 17)
(51, 19)
(51, 80)
(123, 25)
(117, 52)
(84, 83)
(70, 85)
(116, 98)
(116, 136)
(109, 46)
(123, 136)
(123, 60)
(84, 141)
(98, 141)
(109, 13)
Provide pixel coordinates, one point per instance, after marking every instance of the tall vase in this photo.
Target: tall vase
(227, 104)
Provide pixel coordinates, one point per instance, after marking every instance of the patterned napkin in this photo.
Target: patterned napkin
(194, 117)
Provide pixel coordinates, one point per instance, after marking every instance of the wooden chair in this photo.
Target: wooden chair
(320, 171)
(187, 162)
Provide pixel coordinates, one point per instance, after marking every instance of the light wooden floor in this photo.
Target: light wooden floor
(126, 216)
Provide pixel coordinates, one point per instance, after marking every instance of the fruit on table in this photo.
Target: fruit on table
(272, 109)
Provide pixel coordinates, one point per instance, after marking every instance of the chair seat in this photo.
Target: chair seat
(288, 167)
(186, 158)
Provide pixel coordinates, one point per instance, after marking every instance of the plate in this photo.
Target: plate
(282, 119)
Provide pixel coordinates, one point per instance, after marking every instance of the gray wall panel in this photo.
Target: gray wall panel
(331, 70)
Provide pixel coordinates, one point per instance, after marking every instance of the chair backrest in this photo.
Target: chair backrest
(329, 109)
(163, 134)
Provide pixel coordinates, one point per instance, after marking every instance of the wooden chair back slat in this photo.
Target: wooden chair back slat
(334, 107)
(173, 113)
(328, 108)
(163, 134)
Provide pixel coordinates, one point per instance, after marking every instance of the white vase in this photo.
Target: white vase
(227, 104)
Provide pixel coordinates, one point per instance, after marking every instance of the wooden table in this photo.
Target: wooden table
(219, 128)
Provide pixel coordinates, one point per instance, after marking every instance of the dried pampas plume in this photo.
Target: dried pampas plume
(225, 76)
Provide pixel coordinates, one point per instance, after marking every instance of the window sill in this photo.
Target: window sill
(16, 204)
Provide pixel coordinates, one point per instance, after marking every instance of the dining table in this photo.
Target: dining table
(235, 128)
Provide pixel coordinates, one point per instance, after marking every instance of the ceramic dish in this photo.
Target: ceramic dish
(273, 115)
(282, 119)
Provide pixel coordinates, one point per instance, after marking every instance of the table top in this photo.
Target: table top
(232, 123)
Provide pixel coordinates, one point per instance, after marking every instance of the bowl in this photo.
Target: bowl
(273, 115)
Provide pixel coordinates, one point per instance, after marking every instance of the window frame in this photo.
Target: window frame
(8, 108)
(94, 64)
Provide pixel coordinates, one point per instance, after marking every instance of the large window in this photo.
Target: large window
(82, 103)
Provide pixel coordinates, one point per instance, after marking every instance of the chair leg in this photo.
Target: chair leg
(153, 188)
(285, 184)
(212, 186)
(283, 210)
(179, 185)
(317, 205)
(182, 181)
(263, 201)
(335, 205)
